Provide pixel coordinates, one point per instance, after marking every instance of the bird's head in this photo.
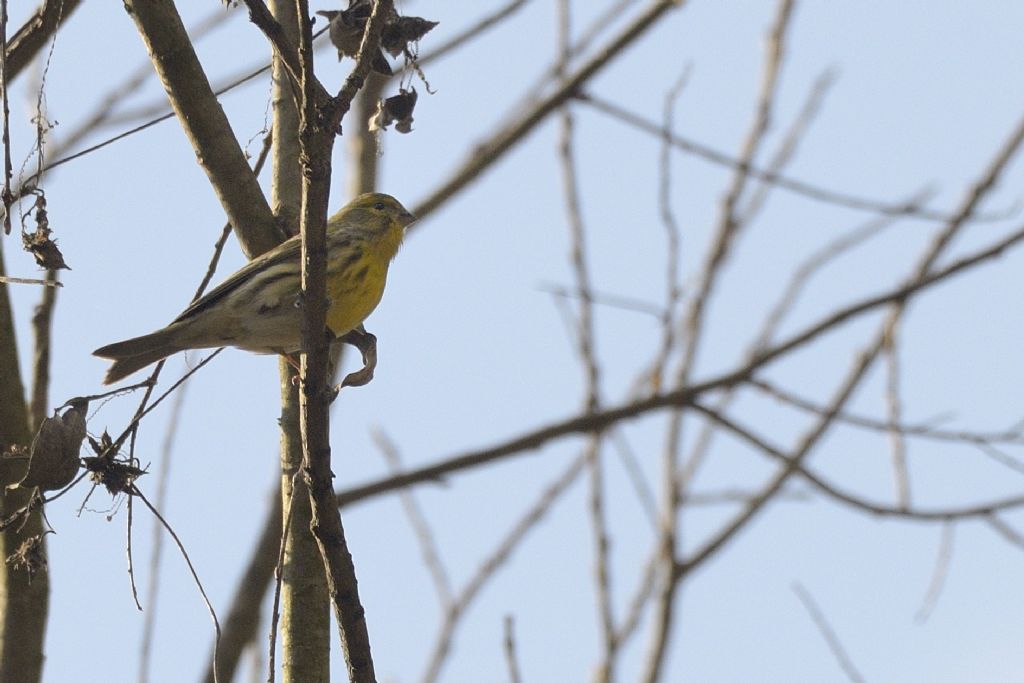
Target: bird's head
(377, 208)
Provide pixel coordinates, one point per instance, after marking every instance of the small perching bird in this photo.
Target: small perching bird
(257, 308)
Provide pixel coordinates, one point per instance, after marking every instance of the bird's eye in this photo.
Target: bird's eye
(379, 206)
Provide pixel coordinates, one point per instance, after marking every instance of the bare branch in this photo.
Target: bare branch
(805, 189)
(792, 464)
(42, 328)
(204, 122)
(26, 43)
(5, 138)
(1004, 529)
(493, 562)
(191, 568)
(939, 574)
(510, 651)
(424, 535)
(486, 154)
(828, 633)
(316, 137)
(474, 30)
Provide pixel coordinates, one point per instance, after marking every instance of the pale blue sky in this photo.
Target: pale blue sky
(473, 350)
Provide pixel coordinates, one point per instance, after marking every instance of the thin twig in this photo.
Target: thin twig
(794, 465)
(510, 650)
(787, 148)
(894, 410)
(624, 303)
(921, 273)
(157, 547)
(800, 187)
(673, 238)
(485, 155)
(424, 535)
(42, 331)
(692, 332)
(7, 280)
(828, 633)
(493, 562)
(473, 31)
(192, 570)
(275, 612)
(1004, 529)
(129, 525)
(939, 574)
(588, 359)
(641, 487)
(926, 430)
(6, 197)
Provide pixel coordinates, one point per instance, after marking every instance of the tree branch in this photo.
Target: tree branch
(205, 124)
(33, 34)
(483, 156)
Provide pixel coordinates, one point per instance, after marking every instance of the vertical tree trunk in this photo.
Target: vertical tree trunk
(305, 605)
(24, 597)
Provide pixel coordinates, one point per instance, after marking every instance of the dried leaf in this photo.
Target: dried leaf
(117, 475)
(53, 459)
(346, 34)
(396, 109)
(39, 243)
(404, 30)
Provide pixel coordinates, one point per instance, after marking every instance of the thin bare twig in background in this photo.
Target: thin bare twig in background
(157, 547)
(135, 492)
(828, 633)
(424, 535)
(484, 155)
(509, 641)
(973, 197)
(925, 430)
(894, 411)
(1004, 529)
(598, 25)
(275, 612)
(585, 339)
(597, 298)
(673, 239)
(473, 31)
(821, 258)
(641, 486)
(726, 231)
(787, 149)
(42, 330)
(793, 465)
(939, 574)
(802, 188)
(494, 561)
(242, 623)
(5, 196)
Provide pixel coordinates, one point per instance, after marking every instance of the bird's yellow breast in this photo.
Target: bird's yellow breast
(357, 289)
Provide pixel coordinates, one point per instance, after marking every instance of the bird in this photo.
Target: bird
(258, 307)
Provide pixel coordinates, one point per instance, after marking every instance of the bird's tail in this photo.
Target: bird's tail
(134, 354)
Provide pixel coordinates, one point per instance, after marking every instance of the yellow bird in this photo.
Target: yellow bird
(257, 308)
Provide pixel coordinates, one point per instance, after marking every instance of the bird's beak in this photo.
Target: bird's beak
(406, 219)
